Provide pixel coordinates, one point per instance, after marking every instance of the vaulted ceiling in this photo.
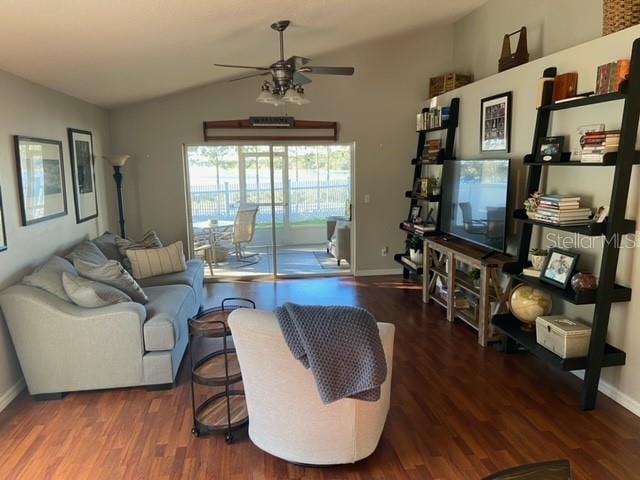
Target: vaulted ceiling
(120, 51)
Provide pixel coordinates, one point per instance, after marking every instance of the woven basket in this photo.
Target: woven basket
(619, 14)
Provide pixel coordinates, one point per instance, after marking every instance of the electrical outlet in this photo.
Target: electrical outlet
(385, 251)
(367, 198)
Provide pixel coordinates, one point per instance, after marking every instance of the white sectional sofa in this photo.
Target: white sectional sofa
(63, 347)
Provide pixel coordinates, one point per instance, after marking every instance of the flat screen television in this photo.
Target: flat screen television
(474, 201)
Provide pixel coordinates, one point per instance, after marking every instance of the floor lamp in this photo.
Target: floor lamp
(117, 162)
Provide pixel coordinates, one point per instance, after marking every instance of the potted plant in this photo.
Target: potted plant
(474, 275)
(433, 186)
(538, 257)
(531, 204)
(414, 244)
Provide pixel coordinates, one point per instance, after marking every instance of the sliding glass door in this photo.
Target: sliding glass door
(260, 210)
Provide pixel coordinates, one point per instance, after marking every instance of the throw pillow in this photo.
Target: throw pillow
(107, 244)
(87, 251)
(112, 273)
(150, 240)
(152, 262)
(48, 277)
(90, 294)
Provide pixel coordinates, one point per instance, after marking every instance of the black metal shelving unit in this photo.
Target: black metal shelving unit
(418, 162)
(600, 353)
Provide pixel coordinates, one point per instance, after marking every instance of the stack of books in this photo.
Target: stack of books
(562, 210)
(434, 117)
(610, 75)
(596, 144)
(419, 228)
(431, 150)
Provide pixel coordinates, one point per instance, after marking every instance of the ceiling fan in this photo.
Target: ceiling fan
(287, 79)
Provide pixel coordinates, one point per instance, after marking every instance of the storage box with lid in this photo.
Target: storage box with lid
(565, 337)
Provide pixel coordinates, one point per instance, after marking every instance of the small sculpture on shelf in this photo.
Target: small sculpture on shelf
(584, 282)
(531, 204)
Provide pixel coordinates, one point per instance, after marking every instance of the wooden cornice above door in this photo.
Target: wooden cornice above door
(272, 129)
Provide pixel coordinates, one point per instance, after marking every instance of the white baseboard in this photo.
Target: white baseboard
(614, 394)
(382, 271)
(7, 397)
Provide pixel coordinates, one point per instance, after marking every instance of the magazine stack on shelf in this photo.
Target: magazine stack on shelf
(432, 150)
(596, 144)
(563, 210)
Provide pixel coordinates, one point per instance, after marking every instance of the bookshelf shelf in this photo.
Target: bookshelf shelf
(583, 102)
(609, 160)
(423, 198)
(403, 259)
(592, 230)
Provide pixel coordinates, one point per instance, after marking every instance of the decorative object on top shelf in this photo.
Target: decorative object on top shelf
(41, 180)
(619, 14)
(83, 171)
(509, 60)
(548, 77)
(528, 303)
(550, 149)
(578, 139)
(3, 232)
(415, 246)
(538, 258)
(117, 162)
(559, 267)
(531, 204)
(611, 77)
(565, 86)
(584, 282)
(495, 123)
(446, 83)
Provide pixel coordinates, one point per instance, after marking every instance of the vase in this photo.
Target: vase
(584, 282)
(531, 215)
(537, 261)
(415, 256)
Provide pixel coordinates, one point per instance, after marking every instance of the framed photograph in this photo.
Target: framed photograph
(495, 123)
(41, 183)
(550, 149)
(3, 232)
(415, 213)
(417, 187)
(83, 172)
(559, 267)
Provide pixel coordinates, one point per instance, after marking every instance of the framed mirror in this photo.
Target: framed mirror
(40, 179)
(3, 232)
(83, 172)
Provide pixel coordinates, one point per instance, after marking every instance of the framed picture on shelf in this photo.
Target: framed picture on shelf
(559, 267)
(83, 172)
(550, 149)
(415, 213)
(417, 187)
(495, 123)
(41, 183)
(3, 232)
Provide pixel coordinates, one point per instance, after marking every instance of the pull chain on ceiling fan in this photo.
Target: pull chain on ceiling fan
(287, 79)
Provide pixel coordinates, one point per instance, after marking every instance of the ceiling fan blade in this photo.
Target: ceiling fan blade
(260, 74)
(298, 62)
(327, 70)
(240, 66)
(299, 79)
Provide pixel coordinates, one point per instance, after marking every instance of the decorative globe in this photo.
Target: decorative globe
(528, 303)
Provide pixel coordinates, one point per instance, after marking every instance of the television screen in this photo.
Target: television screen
(474, 201)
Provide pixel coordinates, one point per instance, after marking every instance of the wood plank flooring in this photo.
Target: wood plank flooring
(458, 411)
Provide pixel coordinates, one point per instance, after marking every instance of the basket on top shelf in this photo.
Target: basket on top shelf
(447, 82)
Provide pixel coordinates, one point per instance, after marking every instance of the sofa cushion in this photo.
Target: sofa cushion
(89, 294)
(192, 277)
(87, 251)
(168, 310)
(48, 277)
(107, 245)
(150, 240)
(151, 262)
(112, 273)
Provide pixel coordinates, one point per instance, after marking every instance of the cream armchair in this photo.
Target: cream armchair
(286, 416)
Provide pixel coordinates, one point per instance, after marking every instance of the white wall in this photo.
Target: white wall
(552, 25)
(623, 383)
(29, 109)
(375, 108)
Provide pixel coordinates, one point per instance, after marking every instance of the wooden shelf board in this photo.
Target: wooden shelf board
(583, 102)
(466, 317)
(620, 293)
(510, 326)
(591, 230)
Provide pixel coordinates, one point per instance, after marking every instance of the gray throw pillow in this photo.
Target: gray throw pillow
(107, 245)
(87, 251)
(150, 240)
(48, 277)
(112, 273)
(90, 294)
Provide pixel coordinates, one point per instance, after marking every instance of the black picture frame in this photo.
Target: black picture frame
(53, 180)
(415, 213)
(83, 172)
(3, 233)
(495, 123)
(550, 149)
(559, 275)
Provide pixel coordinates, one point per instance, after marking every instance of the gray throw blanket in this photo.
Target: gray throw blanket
(341, 345)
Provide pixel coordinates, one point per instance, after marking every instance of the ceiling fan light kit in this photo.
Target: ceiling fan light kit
(286, 75)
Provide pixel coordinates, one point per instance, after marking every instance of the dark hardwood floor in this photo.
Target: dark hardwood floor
(458, 411)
